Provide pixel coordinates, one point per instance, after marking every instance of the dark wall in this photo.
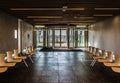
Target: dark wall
(106, 35)
(8, 24)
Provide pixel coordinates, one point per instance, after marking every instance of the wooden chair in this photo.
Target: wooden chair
(95, 54)
(116, 62)
(20, 57)
(3, 63)
(32, 50)
(116, 69)
(89, 49)
(108, 58)
(103, 55)
(29, 54)
(3, 68)
(92, 52)
(117, 66)
(10, 58)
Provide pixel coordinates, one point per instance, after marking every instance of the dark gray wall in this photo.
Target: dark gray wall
(8, 24)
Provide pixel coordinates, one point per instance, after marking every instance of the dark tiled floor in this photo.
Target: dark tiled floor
(60, 67)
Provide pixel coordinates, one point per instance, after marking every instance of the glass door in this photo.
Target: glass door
(40, 37)
(82, 37)
(71, 37)
(50, 37)
(57, 37)
(63, 38)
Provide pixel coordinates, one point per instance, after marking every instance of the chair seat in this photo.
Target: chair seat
(15, 60)
(21, 57)
(99, 57)
(111, 64)
(116, 69)
(104, 60)
(3, 69)
(8, 64)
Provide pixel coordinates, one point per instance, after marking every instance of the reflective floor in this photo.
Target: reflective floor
(60, 67)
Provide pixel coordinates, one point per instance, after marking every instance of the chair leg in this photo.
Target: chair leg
(25, 63)
(31, 58)
(38, 57)
(93, 62)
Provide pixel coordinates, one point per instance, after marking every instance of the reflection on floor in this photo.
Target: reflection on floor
(60, 67)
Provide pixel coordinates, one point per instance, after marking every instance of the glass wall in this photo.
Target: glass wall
(71, 37)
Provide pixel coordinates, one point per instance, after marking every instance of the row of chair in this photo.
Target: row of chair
(10, 59)
(108, 58)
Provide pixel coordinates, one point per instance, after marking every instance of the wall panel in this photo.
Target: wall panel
(27, 34)
(106, 35)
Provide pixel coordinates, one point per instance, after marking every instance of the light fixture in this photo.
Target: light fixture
(81, 26)
(102, 15)
(40, 20)
(106, 8)
(75, 17)
(64, 8)
(37, 23)
(45, 9)
(75, 21)
(44, 16)
(86, 17)
(39, 26)
(15, 34)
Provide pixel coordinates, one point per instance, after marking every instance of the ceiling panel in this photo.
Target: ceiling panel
(70, 11)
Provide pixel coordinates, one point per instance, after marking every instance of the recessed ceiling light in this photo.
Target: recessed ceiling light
(39, 26)
(37, 9)
(45, 23)
(106, 8)
(82, 26)
(84, 17)
(102, 15)
(74, 21)
(75, 17)
(44, 16)
(40, 20)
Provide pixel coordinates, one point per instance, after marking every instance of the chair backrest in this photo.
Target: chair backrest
(117, 58)
(27, 50)
(2, 59)
(103, 53)
(16, 53)
(93, 49)
(96, 51)
(110, 55)
(89, 49)
(32, 47)
(9, 56)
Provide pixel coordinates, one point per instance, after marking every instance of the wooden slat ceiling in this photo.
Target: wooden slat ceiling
(50, 12)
